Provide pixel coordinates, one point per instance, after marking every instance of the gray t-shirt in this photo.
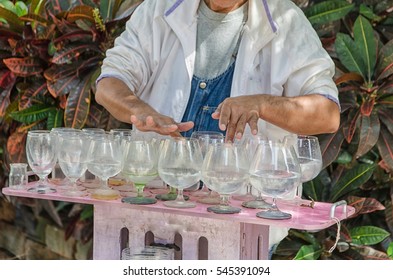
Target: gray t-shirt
(218, 35)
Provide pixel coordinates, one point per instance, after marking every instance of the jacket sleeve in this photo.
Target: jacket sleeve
(130, 58)
(311, 69)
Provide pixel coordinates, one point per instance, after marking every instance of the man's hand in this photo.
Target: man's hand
(145, 118)
(235, 112)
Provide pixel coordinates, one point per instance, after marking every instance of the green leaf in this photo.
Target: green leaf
(328, 11)
(37, 6)
(364, 39)
(87, 212)
(12, 19)
(55, 119)
(32, 114)
(352, 180)
(9, 5)
(344, 157)
(308, 252)
(368, 235)
(21, 8)
(107, 9)
(368, 13)
(390, 250)
(348, 54)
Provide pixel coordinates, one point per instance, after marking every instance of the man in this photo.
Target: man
(282, 77)
(234, 66)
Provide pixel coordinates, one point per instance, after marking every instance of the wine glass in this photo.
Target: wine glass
(120, 181)
(205, 138)
(73, 152)
(57, 176)
(275, 172)
(250, 144)
(41, 156)
(89, 180)
(105, 161)
(140, 166)
(179, 165)
(310, 158)
(225, 171)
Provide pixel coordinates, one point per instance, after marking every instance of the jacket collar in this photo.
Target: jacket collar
(261, 26)
(182, 18)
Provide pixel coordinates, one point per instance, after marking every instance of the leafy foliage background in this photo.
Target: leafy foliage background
(50, 56)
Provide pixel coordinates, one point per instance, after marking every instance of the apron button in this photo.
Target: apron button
(202, 85)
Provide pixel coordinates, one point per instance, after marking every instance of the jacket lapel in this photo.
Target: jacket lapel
(181, 17)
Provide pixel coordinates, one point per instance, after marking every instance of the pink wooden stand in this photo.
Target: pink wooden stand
(201, 234)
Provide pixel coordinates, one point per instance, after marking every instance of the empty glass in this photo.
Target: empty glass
(310, 158)
(250, 144)
(73, 152)
(140, 166)
(179, 165)
(275, 172)
(205, 138)
(57, 176)
(225, 170)
(41, 156)
(18, 176)
(105, 161)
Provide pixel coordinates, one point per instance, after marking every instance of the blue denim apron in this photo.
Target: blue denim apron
(205, 97)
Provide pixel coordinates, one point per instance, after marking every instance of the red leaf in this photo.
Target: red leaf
(364, 205)
(349, 77)
(16, 146)
(367, 107)
(349, 130)
(385, 147)
(24, 67)
(330, 146)
(6, 78)
(369, 133)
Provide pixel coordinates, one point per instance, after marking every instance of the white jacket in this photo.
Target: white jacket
(279, 54)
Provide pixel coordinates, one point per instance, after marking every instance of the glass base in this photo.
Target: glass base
(67, 188)
(105, 194)
(219, 209)
(179, 204)
(74, 193)
(59, 181)
(274, 215)
(42, 190)
(170, 196)
(200, 193)
(244, 197)
(257, 204)
(140, 200)
(211, 199)
(91, 184)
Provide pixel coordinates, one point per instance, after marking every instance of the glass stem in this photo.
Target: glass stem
(139, 189)
(259, 197)
(104, 183)
(42, 182)
(299, 190)
(224, 200)
(180, 196)
(274, 205)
